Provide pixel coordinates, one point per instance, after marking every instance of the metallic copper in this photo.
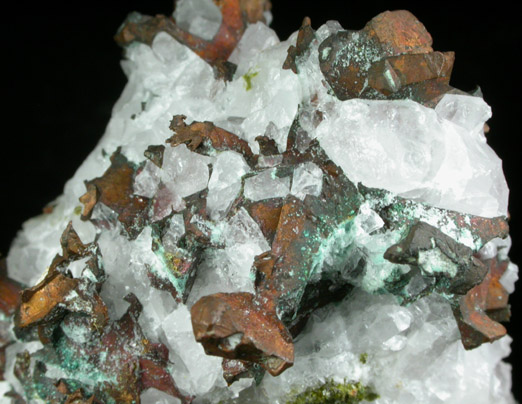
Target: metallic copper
(9, 291)
(234, 326)
(305, 36)
(475, 310)
(197, 133)
(236, 14)
(115, 190)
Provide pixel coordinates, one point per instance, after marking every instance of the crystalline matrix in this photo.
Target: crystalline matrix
(318, 220)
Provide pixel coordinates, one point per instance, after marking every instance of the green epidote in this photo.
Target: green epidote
(335, 393)
(363, 358)
(248, 76)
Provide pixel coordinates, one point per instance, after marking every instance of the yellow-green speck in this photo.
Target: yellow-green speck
(248, 79)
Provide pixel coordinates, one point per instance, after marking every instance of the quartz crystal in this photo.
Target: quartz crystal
(314, 220)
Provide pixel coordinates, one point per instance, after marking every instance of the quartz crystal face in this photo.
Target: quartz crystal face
(315, 220)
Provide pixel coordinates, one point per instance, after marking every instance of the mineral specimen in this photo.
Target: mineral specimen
(318, 220)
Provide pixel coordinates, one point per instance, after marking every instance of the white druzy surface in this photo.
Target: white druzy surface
(438, 156)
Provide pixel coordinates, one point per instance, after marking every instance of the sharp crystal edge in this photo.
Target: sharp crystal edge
(316, 220)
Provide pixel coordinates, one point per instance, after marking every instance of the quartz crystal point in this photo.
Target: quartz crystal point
(314, 220)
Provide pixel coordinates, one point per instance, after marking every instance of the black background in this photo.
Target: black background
(62, 76)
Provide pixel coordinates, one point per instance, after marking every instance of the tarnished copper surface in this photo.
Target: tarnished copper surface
(9, 291)
(138, 363)
(267, 146)
(292, 225)
(39, 302)
(423, 237)
(78, 398)
(155, 154)
(475, 310)
(398, 213)
(201, 135)
(347, 80)
(234, 326)
(236, 14)
(89, 200)
(58, 292)
(9, 300)
(399, 32)
(390, 57)
(427, 93)
(391, 74)
(235, 369)
(115, 190)
(305, 36)
(266, 213)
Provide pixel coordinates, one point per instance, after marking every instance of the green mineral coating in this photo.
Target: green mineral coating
(248, 79)
(363, 358)
(335, 246)
(335, 393)
(78, 367)
(167, 271)
(78, 210)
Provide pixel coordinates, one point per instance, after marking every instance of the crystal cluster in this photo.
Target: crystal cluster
(316, 220)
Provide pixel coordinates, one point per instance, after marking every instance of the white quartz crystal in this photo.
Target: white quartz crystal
(183, 171)
(155, 396)
(229, 269)
(414, 355)
(438, 156)
(5, 388)
(225, 182)
(194, 371)
(147, 181)
(307, 180)
(174, 231)
(468, 112)
(199, 17)
(266, 185)
(418, 153)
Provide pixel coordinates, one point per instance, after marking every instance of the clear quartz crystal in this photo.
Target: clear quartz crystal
(225, 182)
(147, 181)
(266, 185)
(193, 370)
(174, 231)
(307, 180)
(183, 171)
